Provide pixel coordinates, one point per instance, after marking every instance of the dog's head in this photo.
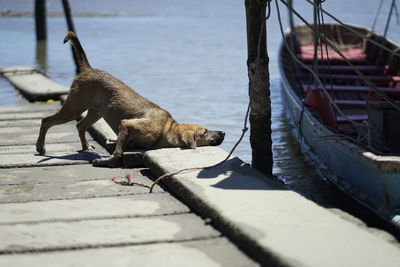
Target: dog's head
(193, 135)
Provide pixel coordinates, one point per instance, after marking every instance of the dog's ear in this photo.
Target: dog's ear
(189, 139)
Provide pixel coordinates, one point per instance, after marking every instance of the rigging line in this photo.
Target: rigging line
(359, 73)
(317, 79)
(389, 18)
(376, 15)
(397, 13)
(353, 31)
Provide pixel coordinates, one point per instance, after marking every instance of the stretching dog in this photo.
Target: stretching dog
(138, 122)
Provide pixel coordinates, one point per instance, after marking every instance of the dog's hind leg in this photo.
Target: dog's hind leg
(68, 112)
(122, 140)
(91, 117)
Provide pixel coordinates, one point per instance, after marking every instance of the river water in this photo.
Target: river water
(187, 56)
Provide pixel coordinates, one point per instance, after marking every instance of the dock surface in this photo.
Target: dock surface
(58, 210)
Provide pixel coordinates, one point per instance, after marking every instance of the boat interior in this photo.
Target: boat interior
(359, 89)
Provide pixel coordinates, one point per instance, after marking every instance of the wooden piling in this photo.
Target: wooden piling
(70, 24)
(257, 63)
(40, 20)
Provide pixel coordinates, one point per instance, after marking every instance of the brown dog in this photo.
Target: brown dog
(138, 122)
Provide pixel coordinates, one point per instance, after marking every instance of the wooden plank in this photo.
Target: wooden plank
(350, 102)
(374, 78)
(349, 118)
(350, 69)
(357, 89)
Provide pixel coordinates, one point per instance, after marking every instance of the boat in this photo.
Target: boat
(341, 95)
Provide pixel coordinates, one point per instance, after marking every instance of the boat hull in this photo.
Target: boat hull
(345, 164)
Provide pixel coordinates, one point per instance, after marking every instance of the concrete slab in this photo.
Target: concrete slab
(34, 85)
(31, 107)
(50, 159)
(50, 148)
(25, 116)
(133, 158)
(18, 123)
(28, 134)
(84, 209)
(274, 225)
(210, 253)
(102, 132)
(31, 137)
(70, 190)
(98, 233)
(66, 174)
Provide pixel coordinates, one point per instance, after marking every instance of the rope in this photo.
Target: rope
(389, 18)
(376, 15)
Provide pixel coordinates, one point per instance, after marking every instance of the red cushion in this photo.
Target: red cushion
(317, 101)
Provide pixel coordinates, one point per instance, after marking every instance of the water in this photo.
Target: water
(187, 56)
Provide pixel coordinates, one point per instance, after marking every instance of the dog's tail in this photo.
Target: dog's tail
(80, 53)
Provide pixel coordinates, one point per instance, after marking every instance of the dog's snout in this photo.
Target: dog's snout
(217, 138)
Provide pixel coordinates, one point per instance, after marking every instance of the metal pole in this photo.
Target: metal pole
(40, 20)
(257, 64)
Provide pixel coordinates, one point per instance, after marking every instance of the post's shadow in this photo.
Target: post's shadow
(240, 175)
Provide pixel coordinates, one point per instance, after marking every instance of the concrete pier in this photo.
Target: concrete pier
(57, 209)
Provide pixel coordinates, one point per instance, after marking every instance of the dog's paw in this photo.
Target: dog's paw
(41, 150)
(88, 147)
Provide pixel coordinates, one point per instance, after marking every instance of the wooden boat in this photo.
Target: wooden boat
(349, 125)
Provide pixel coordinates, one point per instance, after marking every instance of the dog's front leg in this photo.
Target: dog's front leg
(115, 159)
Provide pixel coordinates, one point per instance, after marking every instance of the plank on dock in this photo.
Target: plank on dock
(33, 84)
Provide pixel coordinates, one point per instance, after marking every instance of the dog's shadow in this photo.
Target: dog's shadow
(80, 155)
